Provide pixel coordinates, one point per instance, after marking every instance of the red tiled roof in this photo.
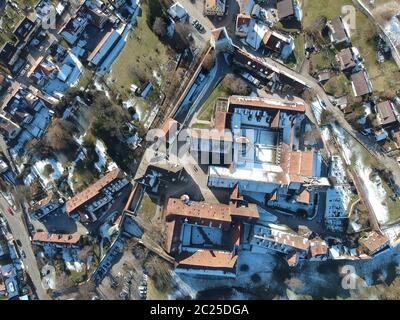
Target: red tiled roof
(220, 120)
(92, 191)
(56, 238)
(304, 197)
(258, 102)
(208, 259)
(318, 248)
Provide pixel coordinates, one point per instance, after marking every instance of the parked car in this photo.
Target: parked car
(10, 211)
(23, 254)
(18, 242)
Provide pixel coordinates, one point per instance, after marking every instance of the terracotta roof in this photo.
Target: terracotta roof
(304, 197)
(249, 211)
(200, 210)
(265, 103)
(236, 232)
(211, 212)
(386, 113)
(275, 41)
(285, 9)
(292, 258)
(297, 164)
(220, 120)
(374, 241)
(276, 120)
(318, 248)
(208, 259)
(235, 193)
(92, 191)
(56, 238)
(242, 21)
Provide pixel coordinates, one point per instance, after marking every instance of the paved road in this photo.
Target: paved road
(20, 232)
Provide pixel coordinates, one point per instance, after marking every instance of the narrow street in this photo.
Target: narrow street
(20, 232)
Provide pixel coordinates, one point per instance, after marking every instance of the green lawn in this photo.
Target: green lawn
(299, 49)
(384, 77)
(147, 208)
(143, 51)
(207, 110)
(200, 126)
(338, 86)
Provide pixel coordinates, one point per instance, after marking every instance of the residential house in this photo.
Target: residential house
(361, 84)
(279, 43)
(374, 242)
(214, 7)
(338, 32)
(242, 25)
(288, 10)
(349, 59)
(385, 114)
(56, 240)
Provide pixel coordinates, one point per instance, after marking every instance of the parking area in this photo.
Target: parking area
(126, 280)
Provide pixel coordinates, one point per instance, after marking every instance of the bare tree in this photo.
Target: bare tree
(235, 85)
(60, 134)
(209, 61)
(160, 27)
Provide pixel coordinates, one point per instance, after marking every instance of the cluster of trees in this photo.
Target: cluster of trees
(234, 85)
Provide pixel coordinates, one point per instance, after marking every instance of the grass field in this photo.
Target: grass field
(207, 110)
(384, 77)
(338, 86)
(147, 208)
(143, 51)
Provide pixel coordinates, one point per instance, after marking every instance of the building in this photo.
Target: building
(279, 43)
(349, 59)
(90, 202)
(203, 237)
(220, 40)
(338, 32)
(57, 240)
(43, 207)
(169, 131)
(100, 53)
(385, 114)
(374, 242)
(268, 73)
(214, 7)
(361, 84)
(177, 12)
(242, 25)
(211, 146)
(288, 10)
(265, 165)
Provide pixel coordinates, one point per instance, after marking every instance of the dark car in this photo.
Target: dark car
(19, 242)
(23, 254)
